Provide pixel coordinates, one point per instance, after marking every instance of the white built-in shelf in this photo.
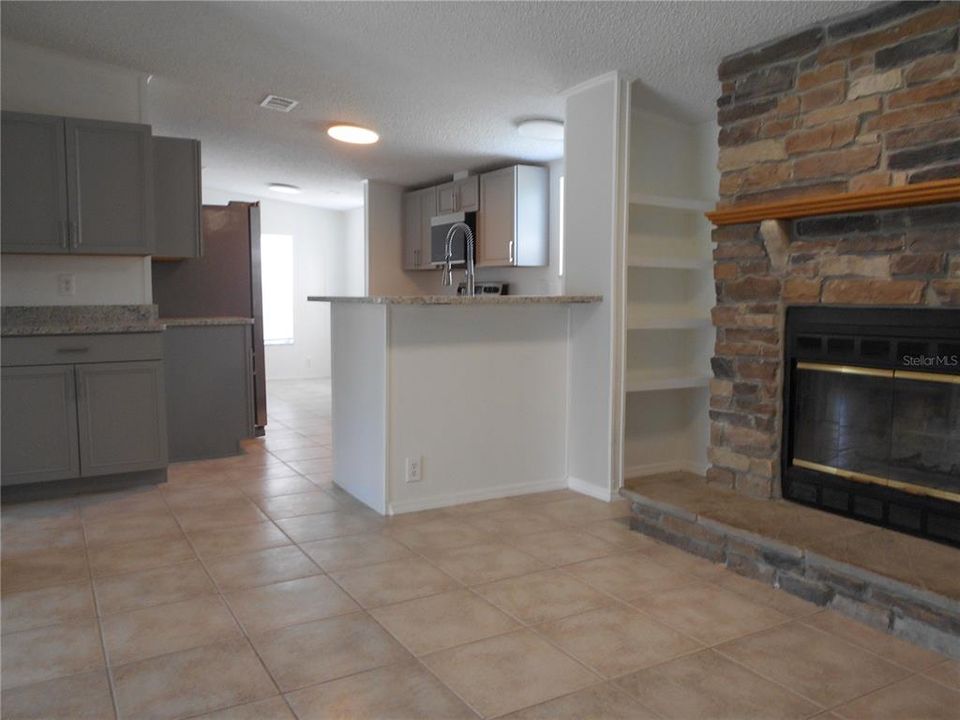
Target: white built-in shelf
(674, 203)
(669, 263)
(644, 381)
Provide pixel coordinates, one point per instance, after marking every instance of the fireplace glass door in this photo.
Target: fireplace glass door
(895, 428)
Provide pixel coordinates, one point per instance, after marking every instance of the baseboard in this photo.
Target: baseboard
(491, 493)
(664, 467)
(591, 490)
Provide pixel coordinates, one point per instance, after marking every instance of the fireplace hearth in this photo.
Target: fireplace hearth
(872, 416)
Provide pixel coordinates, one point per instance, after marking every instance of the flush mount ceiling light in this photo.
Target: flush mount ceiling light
(541, 129)
(353, 134)
(285, 188)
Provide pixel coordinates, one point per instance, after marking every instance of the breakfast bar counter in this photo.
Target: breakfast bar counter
(460, 299)
(442, 400)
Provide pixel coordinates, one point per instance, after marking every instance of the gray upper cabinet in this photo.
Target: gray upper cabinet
(512, 224)
(461, 195)
(419, 207)
(468, 194)
(34, 184)
(110, 187)
(122, 418)
(39, 421)
(177, 200)
(446, 198)
(76, 186)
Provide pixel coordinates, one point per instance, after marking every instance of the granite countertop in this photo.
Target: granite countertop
(460, 300)
(205, 321)
(26, 320)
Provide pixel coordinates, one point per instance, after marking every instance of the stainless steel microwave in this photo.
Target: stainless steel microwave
(440, 226)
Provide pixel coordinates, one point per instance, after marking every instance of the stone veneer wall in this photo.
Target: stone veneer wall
(864, 101)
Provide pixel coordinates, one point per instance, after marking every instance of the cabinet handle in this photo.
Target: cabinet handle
(511, 252)
(63, 236)
(75, 234)
(73, 350)
(416, 258)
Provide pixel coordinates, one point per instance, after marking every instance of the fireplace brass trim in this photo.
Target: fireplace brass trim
(925, 193)
(880, 372)
(927, 377)
(845, 369)
(877, 480)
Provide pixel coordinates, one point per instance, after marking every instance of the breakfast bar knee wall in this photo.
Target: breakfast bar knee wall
(474, 389)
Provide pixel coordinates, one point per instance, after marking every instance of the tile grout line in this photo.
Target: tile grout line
(111, 683)
(825, 708)
(236, 620)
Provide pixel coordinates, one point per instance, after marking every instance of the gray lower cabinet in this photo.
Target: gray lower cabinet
(101, 413)
(39, 424)
(177, 200)
(209, 390)
(121, 417)
(75, 186)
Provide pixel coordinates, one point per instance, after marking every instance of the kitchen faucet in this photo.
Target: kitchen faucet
(447, 279)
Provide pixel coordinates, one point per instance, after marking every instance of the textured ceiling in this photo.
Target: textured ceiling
(443, 83)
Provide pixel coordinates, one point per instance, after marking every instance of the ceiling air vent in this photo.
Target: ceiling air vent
(280, 104)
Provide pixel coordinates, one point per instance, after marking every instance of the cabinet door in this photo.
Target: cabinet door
(121, 417)
(176, 197)
(496, 220)
(33, 185)
(468, 194)
(110, 187)
(447, 198)
(39, 424)
(411, 231)
(428, 209)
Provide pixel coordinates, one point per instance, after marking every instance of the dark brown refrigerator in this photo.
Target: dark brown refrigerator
(225, 282)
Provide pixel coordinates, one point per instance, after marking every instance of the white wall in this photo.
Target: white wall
(383, 226)
(32, 280)
(320, 241)
(37, 80)
(353, 259)
(596, 118)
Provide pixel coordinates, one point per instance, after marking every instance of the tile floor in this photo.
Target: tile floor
(250, 587)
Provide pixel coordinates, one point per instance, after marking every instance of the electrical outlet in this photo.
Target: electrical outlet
(67, 284)
(414, 469)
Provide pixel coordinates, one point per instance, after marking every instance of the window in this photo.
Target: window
(560, 232)
(276, 271)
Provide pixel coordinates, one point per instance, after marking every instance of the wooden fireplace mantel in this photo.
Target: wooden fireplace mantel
(927, 193)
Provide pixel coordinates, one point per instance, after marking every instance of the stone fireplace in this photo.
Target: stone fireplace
(861, 104)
